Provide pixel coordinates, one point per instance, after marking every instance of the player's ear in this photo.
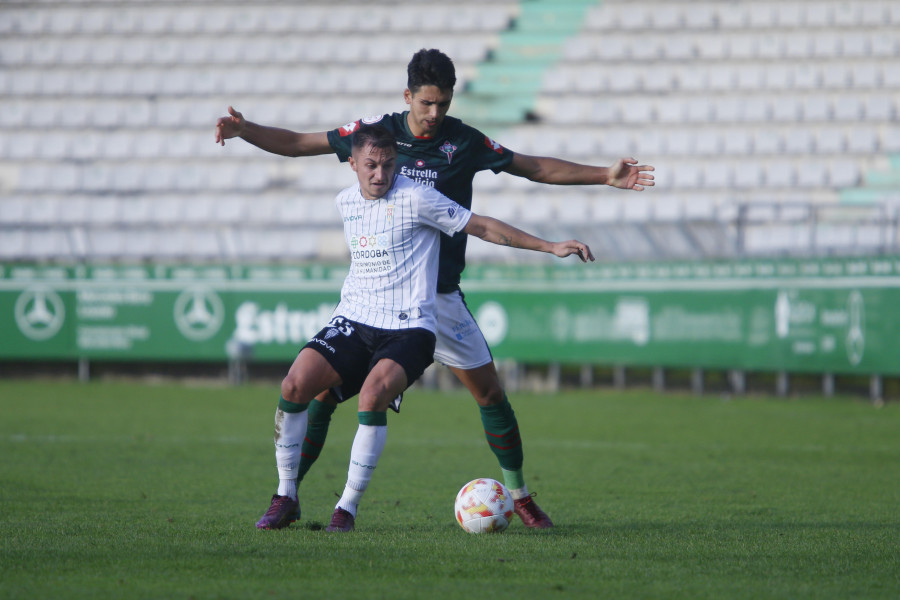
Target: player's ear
(407, 96)
(352, 163)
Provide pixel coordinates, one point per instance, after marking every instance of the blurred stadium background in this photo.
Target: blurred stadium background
(773, 127)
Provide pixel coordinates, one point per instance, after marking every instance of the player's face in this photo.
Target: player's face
(427, 108)
(375, 170)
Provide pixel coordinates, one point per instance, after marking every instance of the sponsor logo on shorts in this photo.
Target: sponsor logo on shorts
(324, 344)
(463, 329)
(331, 333)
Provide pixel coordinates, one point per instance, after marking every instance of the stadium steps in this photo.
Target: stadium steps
(505, 86)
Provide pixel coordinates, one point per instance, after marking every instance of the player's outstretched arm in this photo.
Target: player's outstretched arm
(504, 234)
(625, 174)
(271, 139)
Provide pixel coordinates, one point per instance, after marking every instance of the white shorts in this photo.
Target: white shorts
(460, 343)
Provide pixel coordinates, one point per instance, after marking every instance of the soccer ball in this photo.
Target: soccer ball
(483, 506)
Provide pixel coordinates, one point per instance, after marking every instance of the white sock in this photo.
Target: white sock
(519, 493)
(287, 487)
(290, 429)
(367, 448)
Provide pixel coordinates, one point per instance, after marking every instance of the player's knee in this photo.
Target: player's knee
(371, 400)
(291, 389)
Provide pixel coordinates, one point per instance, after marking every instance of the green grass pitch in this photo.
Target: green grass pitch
(121, 490)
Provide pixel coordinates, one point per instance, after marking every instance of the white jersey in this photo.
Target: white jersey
(394, 249)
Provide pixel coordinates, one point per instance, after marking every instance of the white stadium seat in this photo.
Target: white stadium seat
(830, 140)
(748, 174)
(812, 174)
(780, 173)
(767, 141)
(862, 140)
(843, 173)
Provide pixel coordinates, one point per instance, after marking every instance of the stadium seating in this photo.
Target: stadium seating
(108, 112)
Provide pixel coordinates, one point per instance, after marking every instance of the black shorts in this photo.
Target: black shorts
(353, 349)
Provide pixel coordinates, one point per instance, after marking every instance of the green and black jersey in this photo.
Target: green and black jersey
(447, 162)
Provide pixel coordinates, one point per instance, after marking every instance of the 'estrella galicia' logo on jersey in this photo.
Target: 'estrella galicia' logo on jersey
(448, 149)
(349, 128)
(420, 163)
(493, 145)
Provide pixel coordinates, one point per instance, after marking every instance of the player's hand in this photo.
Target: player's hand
(564, 249)
(626, 174)
(229, 127)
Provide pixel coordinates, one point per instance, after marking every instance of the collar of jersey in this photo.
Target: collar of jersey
(416, 137)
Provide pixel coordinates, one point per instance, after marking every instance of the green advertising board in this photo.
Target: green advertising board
(163, 312)
(817, 315)
(829, 315)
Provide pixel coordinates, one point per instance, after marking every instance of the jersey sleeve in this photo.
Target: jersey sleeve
(340, 139)
(440, 212)
(489, 154)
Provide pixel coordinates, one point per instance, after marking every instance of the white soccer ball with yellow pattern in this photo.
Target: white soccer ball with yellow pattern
(484, 506)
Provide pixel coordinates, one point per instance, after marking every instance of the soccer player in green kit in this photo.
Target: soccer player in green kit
(441, 151)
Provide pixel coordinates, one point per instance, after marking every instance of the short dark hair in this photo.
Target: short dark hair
(376, 136)
(430, 67)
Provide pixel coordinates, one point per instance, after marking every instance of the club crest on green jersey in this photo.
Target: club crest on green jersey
(448, 149)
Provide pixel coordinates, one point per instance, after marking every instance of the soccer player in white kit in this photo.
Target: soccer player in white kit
(382, 334)
(445, 153)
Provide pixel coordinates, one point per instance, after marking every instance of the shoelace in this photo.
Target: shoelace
(340, 518)
(276, 505)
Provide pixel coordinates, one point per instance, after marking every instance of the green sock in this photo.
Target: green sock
(316, 432)
(515, 482)
(502, 432)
